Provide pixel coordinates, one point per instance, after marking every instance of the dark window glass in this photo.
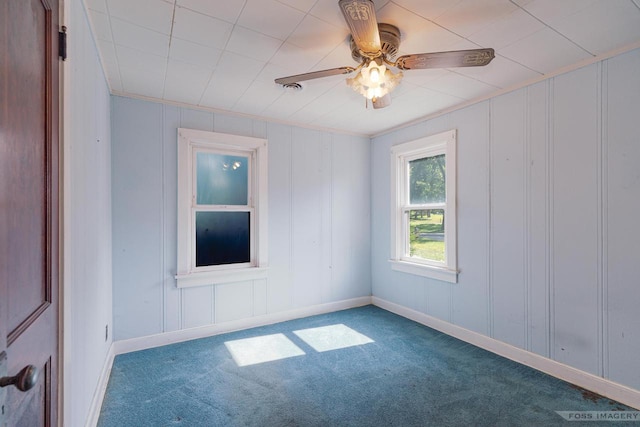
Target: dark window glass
(222, 238)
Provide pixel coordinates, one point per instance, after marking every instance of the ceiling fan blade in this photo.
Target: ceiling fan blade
(385, 101)
(361, 19)
(457, 58)
(314, 75)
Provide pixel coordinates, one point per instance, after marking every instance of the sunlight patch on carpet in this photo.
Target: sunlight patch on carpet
(332, 337)
(267, 348)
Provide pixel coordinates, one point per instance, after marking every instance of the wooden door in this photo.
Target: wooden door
(29, 208)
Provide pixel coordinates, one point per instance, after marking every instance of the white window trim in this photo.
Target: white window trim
(187, 275)
(442, 143)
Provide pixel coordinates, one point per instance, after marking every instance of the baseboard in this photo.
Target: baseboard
(151, 341)
(101, 388)
(602, 386)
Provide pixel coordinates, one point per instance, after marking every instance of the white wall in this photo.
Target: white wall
(319, 210)
(548, 236)
(87, 307)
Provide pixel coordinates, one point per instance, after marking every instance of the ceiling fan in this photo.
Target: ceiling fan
(374, 46)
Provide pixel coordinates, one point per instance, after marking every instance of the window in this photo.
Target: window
(222, 208)
(423, 215)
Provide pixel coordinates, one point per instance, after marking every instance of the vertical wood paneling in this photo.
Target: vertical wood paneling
(622, 193)
(575, 216)
(538, 220)
(306, 218)
(137, 203)
(172, 295)
(382, 278)
(87, 216)
(508, 217)
(360, 218)
(233, 301)
(326, 191)
(280, 295)
(259, 297)
(197, 306)
(557, 263)
(472, 125)
(342, 206)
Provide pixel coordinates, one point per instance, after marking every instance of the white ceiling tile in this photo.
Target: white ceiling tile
(313, 33)
(552, 11)
(471, 16)
(507, 30)
(252, 44)
(270, 72)
(418, 35)
(340, 56)
(141, 73)
(101, 26)
(140, 38)
(501, 72)
(221, 9)
(141, 62)
(422, 77)
(460, 86)
(185, 82)
(270, 17)
(618, 25)
(291, 56)
(155, 15)
(423, 101)
(328, 11)
(202, 29)
(97, 5)
(194, 53)
(301, 5)
(429, 9)
(224, 93)
(544, 51)
(238, 66)
(107, 51)
(210, 62)
(257, 98)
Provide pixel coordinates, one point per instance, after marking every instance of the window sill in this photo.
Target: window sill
(438, 273)
(220, 276)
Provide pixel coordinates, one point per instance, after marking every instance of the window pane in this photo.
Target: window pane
(426, 180)
(222, 179)
(222, 238)
(426, 234)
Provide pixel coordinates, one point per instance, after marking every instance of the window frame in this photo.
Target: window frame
(191, 142)
(401, 155)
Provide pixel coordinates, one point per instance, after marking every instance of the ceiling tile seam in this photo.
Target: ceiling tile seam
(552, 29)
(299, 10)
(502, 55)
(213, 71)
(456, 72)
(166, 68)
(95, 38)
(208, 16)
(106, 5)
(437, 24)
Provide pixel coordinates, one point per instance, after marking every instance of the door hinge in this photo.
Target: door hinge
(62, 43)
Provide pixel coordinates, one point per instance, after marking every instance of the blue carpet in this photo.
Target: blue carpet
(396, 373)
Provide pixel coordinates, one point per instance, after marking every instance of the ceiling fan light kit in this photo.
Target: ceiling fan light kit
(374, 46)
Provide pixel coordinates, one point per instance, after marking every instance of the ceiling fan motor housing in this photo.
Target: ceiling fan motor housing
(389, 40)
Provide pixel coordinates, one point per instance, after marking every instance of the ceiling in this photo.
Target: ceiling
(224, 54)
